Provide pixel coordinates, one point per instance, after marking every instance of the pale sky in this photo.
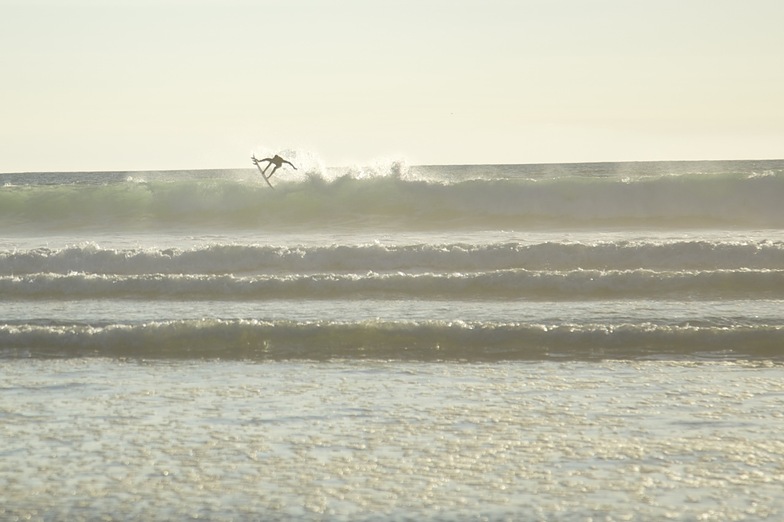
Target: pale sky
(178, 84)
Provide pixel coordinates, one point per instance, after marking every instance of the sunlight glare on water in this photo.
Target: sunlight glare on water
(349, 440)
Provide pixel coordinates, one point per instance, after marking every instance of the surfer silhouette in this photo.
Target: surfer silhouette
(275, 160)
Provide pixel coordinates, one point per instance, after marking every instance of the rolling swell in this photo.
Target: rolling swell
(297, 259)
(509, 271)
(425, 340)
(501, 284)
(591, 264)
(395, 202)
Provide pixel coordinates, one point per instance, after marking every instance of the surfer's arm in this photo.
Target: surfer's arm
(290, 163)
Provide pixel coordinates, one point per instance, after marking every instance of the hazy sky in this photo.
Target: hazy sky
(166, 84)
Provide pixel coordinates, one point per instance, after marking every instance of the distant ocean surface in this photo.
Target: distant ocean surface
(386, 342)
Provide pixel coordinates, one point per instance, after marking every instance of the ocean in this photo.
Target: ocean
(394, 342)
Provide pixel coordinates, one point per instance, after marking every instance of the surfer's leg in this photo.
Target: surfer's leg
(273, 171)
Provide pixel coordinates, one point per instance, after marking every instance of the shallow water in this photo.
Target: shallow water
(381, 440)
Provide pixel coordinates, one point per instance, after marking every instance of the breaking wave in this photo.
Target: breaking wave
(396, 201)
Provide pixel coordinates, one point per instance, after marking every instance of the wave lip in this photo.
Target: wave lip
(425, 340)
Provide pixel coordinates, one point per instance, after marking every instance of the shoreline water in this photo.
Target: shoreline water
(376, 440)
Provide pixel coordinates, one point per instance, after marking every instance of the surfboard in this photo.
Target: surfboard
(261, 172)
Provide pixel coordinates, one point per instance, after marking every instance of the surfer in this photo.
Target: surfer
(275, 160)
